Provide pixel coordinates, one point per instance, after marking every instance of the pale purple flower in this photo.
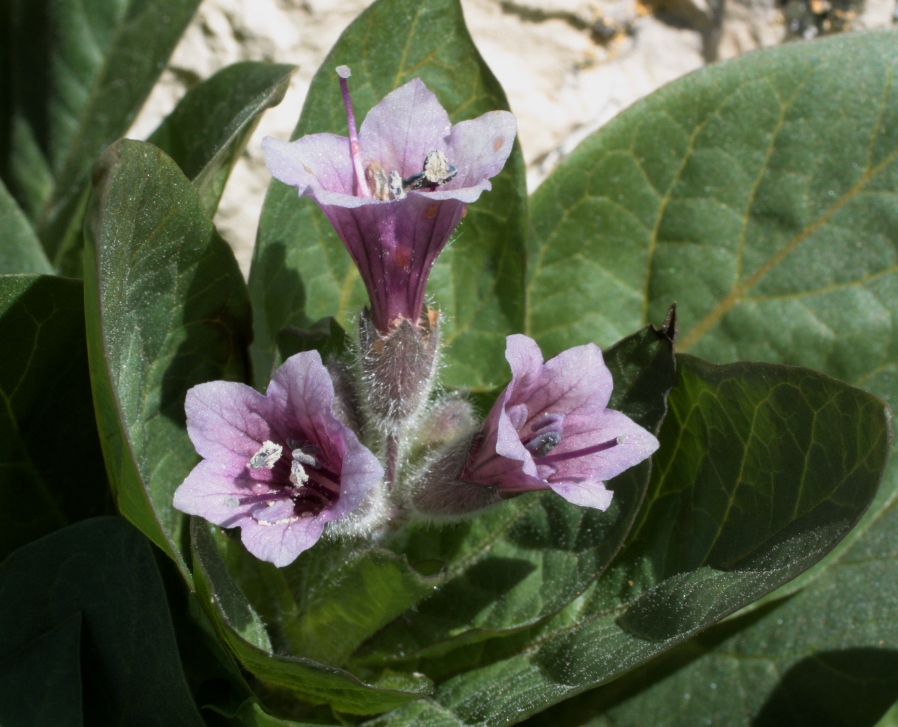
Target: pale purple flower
(550, 428)
(279, 466)
(396, 189)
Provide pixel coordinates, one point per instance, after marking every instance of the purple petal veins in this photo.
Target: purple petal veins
(280, 466)
(551, 428)
(396, 189)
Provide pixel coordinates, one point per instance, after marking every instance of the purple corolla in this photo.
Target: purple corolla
(550, 428)
(279, 466)
(396, 189)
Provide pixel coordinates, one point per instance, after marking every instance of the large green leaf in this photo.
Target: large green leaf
(761, 195)
(825, 656)
(20, 250)
(330, 599)
(85, 625)
(79, 74)
(51, 466)
(300, 270)
(526, 560)
(241, 628)
(762, 469)
(209, 128)
(758, 193)
(166, 309)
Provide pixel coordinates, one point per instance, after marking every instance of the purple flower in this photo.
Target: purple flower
(279, 466)
(396, 189)
(550, 428)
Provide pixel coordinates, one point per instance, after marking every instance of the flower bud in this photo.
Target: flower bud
(398, 368)
(440, 493)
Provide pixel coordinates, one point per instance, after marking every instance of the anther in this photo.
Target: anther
(542, 444)
(267, 456)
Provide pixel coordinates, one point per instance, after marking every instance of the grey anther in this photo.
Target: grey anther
(544, 443)
(437, 169)
(267, 456)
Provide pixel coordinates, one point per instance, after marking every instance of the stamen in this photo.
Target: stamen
(354, 149)
(552, 458)
(378, 184)
(396, 186)
(265, 497)
(437, 169)
(298, 475)
(267, 456)
(542, 444)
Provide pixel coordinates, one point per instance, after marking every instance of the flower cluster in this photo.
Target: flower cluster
(286, 466)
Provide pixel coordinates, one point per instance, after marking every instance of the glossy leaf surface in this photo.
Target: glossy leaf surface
(301, 271)
(167, 309)
(826, 655)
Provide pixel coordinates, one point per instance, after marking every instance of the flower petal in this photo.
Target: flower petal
(635, 444)
(302, 399)
(576, 382)
(318, 162)
(211, 492)
(281, 544)
(479, 149)
(227, 422)
(585, 494)
(361, 471)
(394, 246)
(400, 130)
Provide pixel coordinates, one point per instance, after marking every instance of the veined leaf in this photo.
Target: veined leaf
(20, 250)
(51, 465)
(167, 309)
(242, 629)
(762, 469)
(88, 599)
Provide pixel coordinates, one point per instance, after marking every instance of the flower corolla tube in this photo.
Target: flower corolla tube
(397, 188)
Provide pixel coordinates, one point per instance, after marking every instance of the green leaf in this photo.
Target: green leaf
(166, 309)
(827, 655)
(758, 193)
(761, 470)
(331, 599)
(20, 250)
(209, 128)
(242, 629)
(301, 272)
(80, 73)
(93, 583)
(252, 714)
(772, 224)
(40, 684)
(524, 561)
(47, 409)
